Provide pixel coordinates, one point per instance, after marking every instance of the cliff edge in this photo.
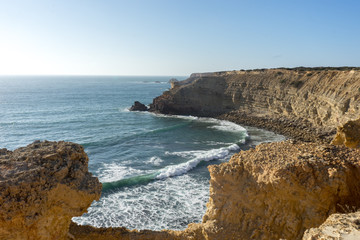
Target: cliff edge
(277, 190)
(303, 103)
(42, 186)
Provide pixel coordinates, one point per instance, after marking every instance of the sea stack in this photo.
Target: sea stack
(138, 106)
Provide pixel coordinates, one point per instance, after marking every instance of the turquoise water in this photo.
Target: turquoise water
(153, 167)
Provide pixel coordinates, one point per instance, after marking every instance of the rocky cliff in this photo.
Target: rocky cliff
(277, 190)
(42, 186)
(307, 104)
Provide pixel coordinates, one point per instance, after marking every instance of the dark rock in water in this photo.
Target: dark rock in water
(138, 106)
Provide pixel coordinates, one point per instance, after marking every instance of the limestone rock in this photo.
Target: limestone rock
(42, 186)
(275, 191)
(138, 106)
(337, 226)
(305, 99)
(279, 190)
(348, 134)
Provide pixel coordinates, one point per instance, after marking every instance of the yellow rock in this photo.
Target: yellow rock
(348, 134)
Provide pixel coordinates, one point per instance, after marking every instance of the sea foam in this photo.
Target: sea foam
(200, 156)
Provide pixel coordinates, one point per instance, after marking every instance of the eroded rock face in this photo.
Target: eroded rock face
(348, 134)
(305, 98)
(277, 190)
(337, 226)
(42, 186)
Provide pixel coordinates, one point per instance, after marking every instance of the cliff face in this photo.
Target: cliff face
(42, 186)
(277, 190)
(314, 99)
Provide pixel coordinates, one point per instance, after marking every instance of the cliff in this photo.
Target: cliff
(306, 104)
(277, 190)
(42, 186)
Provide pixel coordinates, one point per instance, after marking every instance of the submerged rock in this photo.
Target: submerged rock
(42, 186)
(138, 106)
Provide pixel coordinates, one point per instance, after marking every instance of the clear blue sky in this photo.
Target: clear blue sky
(174, 37)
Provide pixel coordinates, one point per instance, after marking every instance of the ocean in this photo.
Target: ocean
(153, 167)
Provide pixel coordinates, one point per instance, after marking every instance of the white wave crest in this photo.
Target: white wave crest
(156, 161)
(221, 125)
(112, 172)
(182, 168)
(227, 126)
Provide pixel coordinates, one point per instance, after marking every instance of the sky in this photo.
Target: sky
(174, 37)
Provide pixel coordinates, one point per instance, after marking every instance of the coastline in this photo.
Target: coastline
(293, 129)
(277, 190)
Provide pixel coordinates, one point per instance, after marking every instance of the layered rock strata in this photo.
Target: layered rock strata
(277, 190)
(304, 99)
(42, 186)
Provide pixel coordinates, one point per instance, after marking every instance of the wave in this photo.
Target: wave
(128, 182)
(173, 170)
(202, 156)
(156, 161)
(221, 125)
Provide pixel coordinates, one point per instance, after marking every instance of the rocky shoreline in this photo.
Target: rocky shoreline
(302, 103)
(294, 129)
(275, 191)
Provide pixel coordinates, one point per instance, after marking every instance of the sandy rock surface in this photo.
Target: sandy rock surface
(42, 186)
(337, 227)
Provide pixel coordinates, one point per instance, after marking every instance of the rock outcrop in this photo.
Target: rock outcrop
(42, 186)
(337, 226)
(348, 134)
(305, 100)
(277, 190)
(138, 106)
